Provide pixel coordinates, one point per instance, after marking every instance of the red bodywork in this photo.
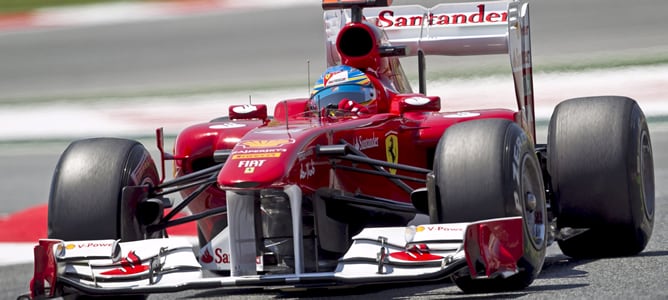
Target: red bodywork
(263, 153)
(271, 153)
(45, 268)
(496, 245)
(282, 151)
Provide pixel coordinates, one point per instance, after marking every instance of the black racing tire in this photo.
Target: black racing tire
(85, 202)
(602, 170)
(474, 178)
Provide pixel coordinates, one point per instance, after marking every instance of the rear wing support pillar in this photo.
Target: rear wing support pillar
(519, 48)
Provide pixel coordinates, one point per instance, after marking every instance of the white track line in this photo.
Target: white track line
(140, 116)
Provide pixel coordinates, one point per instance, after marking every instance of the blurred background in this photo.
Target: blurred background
(81, 68)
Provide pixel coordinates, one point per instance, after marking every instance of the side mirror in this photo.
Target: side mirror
(248, 112)
(417, 103)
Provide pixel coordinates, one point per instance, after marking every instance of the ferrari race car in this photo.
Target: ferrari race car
(364, 182)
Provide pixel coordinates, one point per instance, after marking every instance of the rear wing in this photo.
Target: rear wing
(472, 28)
(445, 29)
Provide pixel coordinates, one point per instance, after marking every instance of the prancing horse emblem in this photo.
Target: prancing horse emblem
(392, 150)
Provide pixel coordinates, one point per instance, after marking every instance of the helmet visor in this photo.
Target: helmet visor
(330, 97)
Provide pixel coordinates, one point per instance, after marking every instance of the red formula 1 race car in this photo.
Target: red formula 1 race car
(365, 182)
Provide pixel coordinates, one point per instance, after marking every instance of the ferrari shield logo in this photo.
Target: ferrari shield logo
(392, 150)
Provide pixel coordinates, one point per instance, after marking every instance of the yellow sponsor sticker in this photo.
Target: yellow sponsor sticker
(256, 155)
(266, 143)
(392, 150)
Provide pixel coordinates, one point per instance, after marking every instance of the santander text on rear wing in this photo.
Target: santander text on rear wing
(446, 29)
(471, 28)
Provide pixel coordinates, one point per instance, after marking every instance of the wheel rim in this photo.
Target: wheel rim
(533, 206)
(646, 165)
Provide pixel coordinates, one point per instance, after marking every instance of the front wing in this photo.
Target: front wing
(483, 249)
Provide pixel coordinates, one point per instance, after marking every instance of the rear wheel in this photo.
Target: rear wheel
(600, 161)
(488, 169)
(86, 192)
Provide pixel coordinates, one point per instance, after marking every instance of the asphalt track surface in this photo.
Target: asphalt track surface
(639, 277)
(213, 50)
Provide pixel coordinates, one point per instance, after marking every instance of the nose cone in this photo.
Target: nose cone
(265, 156)
(257, 163)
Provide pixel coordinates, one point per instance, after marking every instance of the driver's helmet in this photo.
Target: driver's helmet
(343, 82)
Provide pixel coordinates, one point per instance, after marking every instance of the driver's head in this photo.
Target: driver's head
(343, 82)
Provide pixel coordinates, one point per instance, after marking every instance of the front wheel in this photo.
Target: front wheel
(488, 169)
(86, 200)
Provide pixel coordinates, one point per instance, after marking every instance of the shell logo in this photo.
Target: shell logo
(70, 246)
(419, 229)
(266, 143)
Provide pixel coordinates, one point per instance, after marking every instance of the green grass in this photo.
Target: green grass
(19, 6)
